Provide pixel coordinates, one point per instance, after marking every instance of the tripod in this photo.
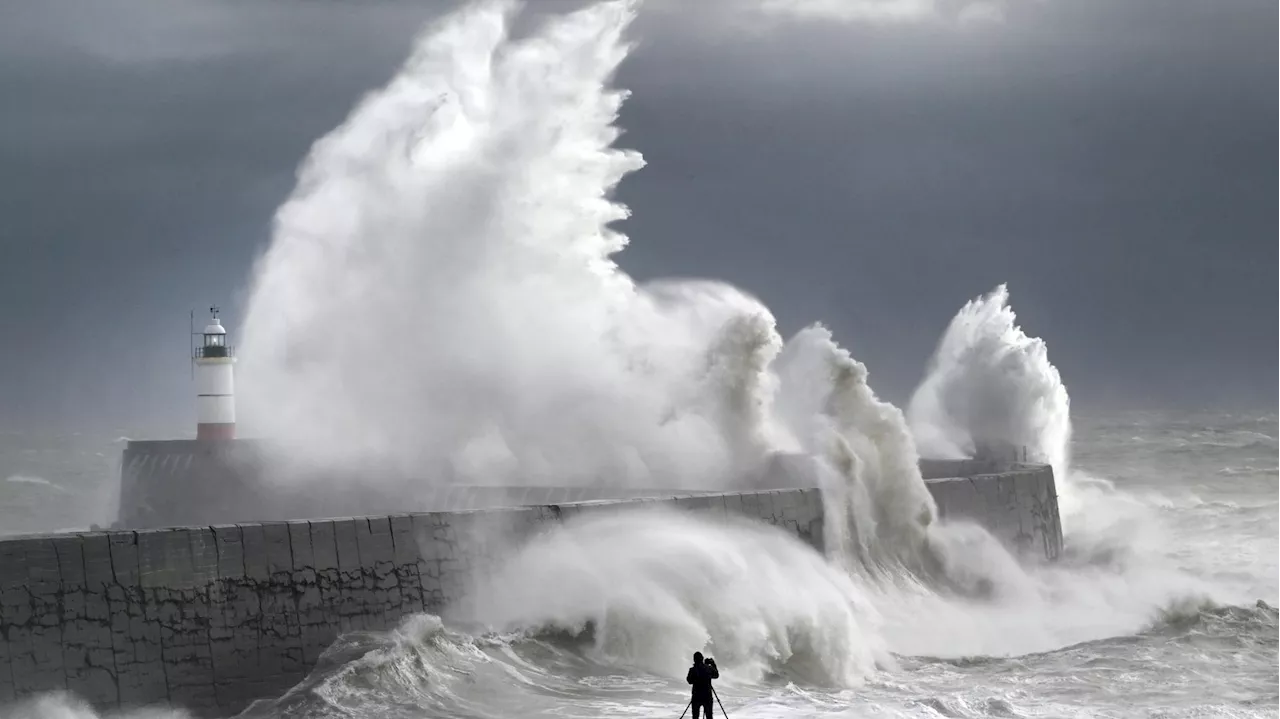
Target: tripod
(715, 694)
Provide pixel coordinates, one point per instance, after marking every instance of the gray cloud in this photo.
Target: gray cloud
(1111, 161)
(877, 12)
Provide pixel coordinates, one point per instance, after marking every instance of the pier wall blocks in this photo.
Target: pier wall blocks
(1019, 507)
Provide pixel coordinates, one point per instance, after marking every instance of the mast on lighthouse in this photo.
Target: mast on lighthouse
(215, 383)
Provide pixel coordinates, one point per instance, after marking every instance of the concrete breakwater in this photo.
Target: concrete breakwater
(164, 483)
(1019, 507)
(209, 618)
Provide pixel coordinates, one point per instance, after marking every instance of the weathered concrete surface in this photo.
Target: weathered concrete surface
(210, 618)
(1018, 507)
(947, 468)
(188, 482)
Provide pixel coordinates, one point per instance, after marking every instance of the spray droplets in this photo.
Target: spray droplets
(446, 261)
(991, 388)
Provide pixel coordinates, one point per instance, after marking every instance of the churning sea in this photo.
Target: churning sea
(1162, 607)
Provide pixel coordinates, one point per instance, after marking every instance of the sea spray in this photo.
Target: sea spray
(990, 388)
(645, 588)
(440, 300)
(66, 705)
(439, 290)
(878, 506)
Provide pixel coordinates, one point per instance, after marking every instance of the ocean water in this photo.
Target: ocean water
(51, 481)
(473, 193)
(1153, 613)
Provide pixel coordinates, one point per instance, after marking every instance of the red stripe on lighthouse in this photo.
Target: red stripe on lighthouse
(220, 430)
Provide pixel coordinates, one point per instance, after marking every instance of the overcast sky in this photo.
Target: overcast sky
(1114, 161)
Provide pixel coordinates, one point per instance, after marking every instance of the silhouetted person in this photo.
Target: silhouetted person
(700, 676)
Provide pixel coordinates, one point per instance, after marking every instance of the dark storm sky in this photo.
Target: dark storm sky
(1113, 161)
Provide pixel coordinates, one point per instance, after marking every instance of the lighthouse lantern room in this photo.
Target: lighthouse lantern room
(215, 383)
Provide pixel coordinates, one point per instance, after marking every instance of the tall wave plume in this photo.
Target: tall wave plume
(990, 388)
(440, 299)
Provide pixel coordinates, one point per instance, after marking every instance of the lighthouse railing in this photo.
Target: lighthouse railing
(212, 351)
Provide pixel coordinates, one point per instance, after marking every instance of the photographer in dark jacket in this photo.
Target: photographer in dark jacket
(700, 676)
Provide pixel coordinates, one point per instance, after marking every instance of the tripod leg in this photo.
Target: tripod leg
(717, 696)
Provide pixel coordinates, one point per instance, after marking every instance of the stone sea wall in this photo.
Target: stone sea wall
(1019, 507)
(211, 617)
(165, 483)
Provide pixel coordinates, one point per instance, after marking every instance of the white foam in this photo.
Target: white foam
(32, 480)
(60, 705)
(440, 296)
(991, 386)
(657, 586)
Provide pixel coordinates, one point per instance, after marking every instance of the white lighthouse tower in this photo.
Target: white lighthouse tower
(215, 383)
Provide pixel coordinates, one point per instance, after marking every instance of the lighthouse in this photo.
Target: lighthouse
(215, 383)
